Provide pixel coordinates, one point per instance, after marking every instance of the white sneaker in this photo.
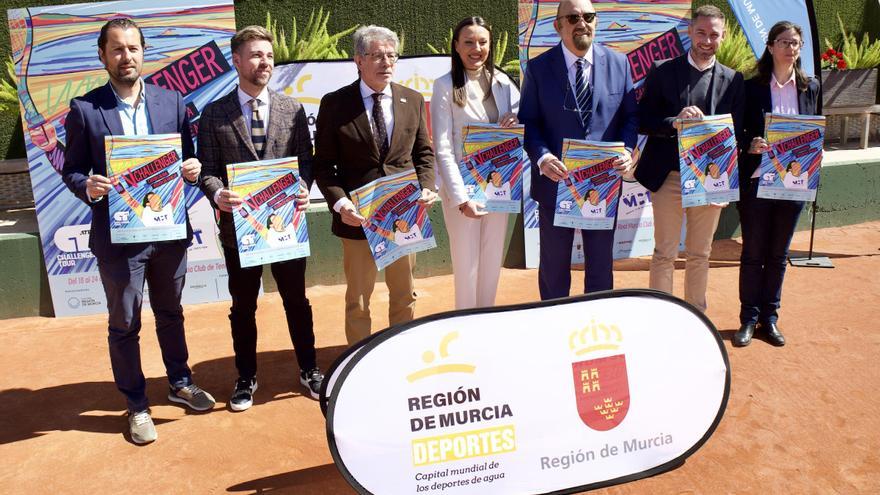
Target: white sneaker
(141, 426)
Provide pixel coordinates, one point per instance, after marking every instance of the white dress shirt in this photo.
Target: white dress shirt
(244, 100)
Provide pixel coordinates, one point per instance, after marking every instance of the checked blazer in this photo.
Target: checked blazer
(224, 138)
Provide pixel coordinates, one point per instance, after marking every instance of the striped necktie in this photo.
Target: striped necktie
(258, 128)
(380, 132)
(584, 96)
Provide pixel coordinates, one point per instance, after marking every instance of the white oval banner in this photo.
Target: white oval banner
(550, 397)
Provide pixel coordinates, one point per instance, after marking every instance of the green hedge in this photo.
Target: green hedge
(422, 22)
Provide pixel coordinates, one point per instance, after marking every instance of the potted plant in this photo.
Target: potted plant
(849, 76)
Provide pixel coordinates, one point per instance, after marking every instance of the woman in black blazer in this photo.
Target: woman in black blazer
(780, 86)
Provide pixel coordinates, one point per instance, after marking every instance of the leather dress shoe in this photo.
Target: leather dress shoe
(743, 336)
(774, 336)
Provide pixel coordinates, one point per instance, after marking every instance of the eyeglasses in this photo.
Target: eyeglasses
(377, 57)
(573, 19)
(796, 44)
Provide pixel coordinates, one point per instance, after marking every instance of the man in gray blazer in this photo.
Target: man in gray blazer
(253, 123)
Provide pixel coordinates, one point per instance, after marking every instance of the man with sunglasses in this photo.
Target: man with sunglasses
(579, 90)
(687, 87)
(367, 130)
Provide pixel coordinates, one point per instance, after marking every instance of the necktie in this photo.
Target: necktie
(258, 128)
(584, 95)
(380, 133)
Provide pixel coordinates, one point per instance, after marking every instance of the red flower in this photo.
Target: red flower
(841, 64)
(825, 56)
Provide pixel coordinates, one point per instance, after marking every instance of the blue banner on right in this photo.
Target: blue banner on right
(756, 17)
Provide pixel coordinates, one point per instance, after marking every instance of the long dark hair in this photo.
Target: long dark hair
(765, 63)
(459, 93)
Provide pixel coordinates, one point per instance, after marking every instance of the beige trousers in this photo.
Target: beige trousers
(360, 277)
(476, 246)
(701, 222)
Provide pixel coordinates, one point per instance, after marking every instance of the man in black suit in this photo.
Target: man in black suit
(129, 106)
(687, 87)
(253, 123)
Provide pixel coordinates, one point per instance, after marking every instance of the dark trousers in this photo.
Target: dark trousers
(767, 228)
(554, 269)
(163, 266)
(244, 286)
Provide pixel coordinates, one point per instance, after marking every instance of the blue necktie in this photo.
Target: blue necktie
(584, 96)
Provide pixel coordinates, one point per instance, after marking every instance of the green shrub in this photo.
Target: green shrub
(735, 52)
(315, 43)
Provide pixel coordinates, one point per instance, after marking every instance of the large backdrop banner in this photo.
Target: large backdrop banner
(55, 50)
(609, 395)
(644, 31)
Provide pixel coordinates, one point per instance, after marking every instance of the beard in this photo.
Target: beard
(582, 41)
(124, 76)
(260, 79)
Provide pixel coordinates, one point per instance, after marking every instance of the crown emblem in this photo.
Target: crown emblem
(595, 337)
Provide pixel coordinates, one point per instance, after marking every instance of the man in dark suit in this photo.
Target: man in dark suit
(234, 129)
(128, 106)
(367, 130)
(579, 90)
(686, 87)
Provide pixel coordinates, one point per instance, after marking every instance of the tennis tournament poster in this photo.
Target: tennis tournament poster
(587, 198)
(146, 201)
(492, 166)
(397, 225)
(708, 161)
(790, 168)
(268, 226)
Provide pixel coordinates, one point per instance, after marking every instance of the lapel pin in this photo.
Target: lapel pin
(403, 100)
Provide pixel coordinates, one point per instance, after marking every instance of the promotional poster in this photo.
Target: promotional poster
(790, 168)
(146, 201)
(268, 226)
(708, 154)
(455, 418)
(587, 198)
(492, 166)
(397, 224)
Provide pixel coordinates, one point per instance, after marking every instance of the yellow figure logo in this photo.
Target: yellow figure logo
(595, 337)
(429, 357)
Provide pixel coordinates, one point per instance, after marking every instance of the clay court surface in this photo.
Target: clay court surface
(801, 419)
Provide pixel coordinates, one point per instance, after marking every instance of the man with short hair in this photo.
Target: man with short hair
(578, 90)
(367, 130)
(248, 124)
(687, 87)
(126, 105)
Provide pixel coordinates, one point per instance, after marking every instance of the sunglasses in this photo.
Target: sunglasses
(573, 19)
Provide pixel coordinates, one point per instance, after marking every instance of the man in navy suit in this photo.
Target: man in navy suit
(579, 90)
(687, 87)
(126, 105)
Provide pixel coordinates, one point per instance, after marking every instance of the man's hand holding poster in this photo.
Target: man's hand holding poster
(790, 168)
(587, 198)
(268, 226)
(147, 202)
(708, 161)
(396, 224)
(492, 166)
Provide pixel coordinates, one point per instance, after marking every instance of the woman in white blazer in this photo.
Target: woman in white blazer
(472, 92)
